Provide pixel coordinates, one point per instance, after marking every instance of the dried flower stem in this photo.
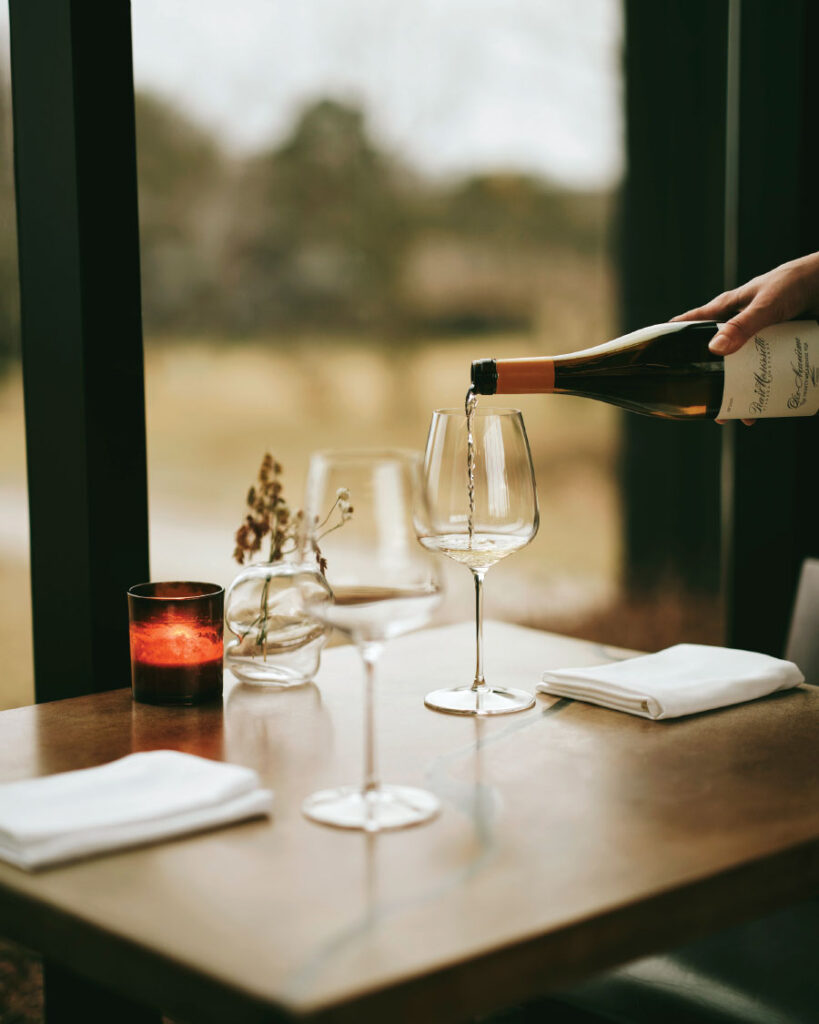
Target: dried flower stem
(270, 514)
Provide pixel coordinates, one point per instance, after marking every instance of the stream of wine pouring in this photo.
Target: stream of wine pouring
(470, 406)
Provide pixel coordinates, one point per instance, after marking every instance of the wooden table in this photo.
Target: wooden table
(571, 839)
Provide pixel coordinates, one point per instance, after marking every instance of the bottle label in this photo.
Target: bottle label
(775, 373)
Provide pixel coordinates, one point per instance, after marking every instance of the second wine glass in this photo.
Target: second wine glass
(381, 584)
(483, 507)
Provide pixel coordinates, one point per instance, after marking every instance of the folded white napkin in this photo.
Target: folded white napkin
(137, 799)
(680, 680)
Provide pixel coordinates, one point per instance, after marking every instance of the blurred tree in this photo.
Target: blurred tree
(321, 224)
(327, 232)
(486, 257)
(520, 211)
(9, 291)
(182, 210)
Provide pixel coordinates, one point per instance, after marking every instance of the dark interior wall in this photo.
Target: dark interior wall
(721, 186)
(771, 506)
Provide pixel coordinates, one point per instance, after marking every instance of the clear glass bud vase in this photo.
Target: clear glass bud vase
(276, 642)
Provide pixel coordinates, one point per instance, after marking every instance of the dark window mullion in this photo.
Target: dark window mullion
(81, 335)
(671, 247)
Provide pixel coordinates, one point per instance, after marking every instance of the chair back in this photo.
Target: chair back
(803, 637)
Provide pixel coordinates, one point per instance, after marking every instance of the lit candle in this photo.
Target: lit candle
(176, 642)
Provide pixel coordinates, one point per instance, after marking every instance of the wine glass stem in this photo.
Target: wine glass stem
(369, 655)
(480, 682)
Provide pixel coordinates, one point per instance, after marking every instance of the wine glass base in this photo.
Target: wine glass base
(387, 807)
(494, 700)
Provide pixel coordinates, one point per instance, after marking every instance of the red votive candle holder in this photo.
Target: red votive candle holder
(176, 642)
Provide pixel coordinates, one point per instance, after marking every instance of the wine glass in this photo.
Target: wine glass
(382, 584)
(483, 507)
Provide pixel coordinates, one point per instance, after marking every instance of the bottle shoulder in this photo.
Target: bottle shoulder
(645, 335)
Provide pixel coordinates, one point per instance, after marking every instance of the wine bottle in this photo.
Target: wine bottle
(668, 371)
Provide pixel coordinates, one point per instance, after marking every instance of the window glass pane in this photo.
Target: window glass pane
(342, 205)
(17, 679)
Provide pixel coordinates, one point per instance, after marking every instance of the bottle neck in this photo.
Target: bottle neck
(535, 376)
(546, 374)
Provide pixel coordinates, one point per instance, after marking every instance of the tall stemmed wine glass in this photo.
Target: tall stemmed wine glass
(383, 583)
(483, 505)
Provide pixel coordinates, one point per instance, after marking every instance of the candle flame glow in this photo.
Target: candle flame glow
(175, 643)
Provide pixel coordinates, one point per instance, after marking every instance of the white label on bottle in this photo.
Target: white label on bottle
(775, 373)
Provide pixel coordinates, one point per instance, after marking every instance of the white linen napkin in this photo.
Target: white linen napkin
(137, 799)
(680, 680)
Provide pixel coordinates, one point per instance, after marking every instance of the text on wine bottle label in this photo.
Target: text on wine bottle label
(775, 373)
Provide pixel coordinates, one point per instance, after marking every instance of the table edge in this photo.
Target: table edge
(540, 964)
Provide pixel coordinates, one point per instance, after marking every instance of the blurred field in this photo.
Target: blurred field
(214, 407)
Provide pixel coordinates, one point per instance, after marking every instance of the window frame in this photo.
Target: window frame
(83, 383)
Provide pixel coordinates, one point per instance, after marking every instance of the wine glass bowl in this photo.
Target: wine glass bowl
(479, 521)
(361, 513)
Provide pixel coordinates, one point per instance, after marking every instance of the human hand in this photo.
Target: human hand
(784, 293)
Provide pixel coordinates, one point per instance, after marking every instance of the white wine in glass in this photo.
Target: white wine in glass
(382, 584)
(483, 507)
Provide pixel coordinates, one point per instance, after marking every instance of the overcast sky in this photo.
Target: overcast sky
(453, 86)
